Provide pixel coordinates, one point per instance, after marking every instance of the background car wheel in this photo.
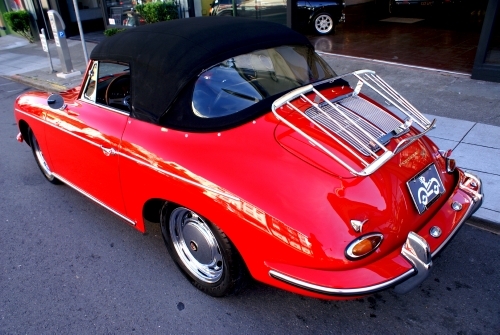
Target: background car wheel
(323, 23)
(40, 160)
(203, 252)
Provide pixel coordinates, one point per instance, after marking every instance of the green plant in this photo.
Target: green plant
(113, 31)
(159, 11)
(19, 22)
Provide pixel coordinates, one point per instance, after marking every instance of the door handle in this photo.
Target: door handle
(108, 152)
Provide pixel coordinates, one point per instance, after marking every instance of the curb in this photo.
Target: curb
(37, 83)
(396, 64)
(489, 225)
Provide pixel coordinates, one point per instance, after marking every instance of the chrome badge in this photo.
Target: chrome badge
(358, 225)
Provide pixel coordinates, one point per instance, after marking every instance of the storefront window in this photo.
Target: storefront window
(271, 10)
(14, 5)
(88, 9)
(122, 13)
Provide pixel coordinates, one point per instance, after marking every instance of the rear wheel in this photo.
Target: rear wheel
(203, 252)
(40, 160)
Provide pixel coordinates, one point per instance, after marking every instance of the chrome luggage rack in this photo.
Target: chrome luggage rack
(366, 127)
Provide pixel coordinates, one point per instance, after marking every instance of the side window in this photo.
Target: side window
(109, 84)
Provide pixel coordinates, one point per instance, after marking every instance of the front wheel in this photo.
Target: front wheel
(40, 160)
(323, 23)
(203, 252)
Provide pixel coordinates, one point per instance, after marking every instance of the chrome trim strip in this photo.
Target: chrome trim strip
(75, 135)
(476, 203)
(133, 223)
(152, 167)
(340, 291)
(138, 161)
(32, 116)
(59, 128)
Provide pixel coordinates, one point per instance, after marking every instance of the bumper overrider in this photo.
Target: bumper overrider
(416, 250)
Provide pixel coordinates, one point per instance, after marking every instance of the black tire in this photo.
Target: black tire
(323, 23)
(208, 260)
(40, 160)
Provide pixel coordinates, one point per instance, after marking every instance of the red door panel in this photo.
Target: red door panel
(82, 142)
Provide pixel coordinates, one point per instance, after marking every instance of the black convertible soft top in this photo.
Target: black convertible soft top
(165, 56)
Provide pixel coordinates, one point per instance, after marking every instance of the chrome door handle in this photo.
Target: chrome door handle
(107, 151)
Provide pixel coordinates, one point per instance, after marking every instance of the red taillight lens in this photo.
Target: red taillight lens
(450, 162)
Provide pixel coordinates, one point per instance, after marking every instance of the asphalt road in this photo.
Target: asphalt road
(69, 266)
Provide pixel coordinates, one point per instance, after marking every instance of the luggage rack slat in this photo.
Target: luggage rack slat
(357, 124)
(397, 100)
(345, 131)
(318, 144)
(371, 112)
(347, 118)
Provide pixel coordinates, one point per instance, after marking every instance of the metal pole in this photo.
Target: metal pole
(46, 45)
(77, 12)
(43, 17)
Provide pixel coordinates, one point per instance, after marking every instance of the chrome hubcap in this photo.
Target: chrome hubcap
(196, 245)
(39, 157)
(323, 23)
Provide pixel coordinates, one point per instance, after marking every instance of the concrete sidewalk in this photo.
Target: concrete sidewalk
(29, 64)
(467, 111)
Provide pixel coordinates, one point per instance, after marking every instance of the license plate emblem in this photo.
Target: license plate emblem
(425, 188)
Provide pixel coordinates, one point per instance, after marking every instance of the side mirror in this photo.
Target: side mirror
(55, 101)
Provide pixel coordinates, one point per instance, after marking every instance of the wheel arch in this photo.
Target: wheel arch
(151, 210)
(24, 129)
(334, 11)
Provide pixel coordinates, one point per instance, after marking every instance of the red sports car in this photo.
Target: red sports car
(256, 159)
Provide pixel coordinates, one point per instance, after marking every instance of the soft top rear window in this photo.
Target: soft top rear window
(239, 82)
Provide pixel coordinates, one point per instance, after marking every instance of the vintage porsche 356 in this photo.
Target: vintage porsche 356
(256, 159)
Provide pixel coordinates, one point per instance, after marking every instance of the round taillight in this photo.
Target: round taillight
(363, 246)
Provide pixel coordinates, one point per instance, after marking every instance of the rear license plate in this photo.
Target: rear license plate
(425, 188)
(426, 3)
